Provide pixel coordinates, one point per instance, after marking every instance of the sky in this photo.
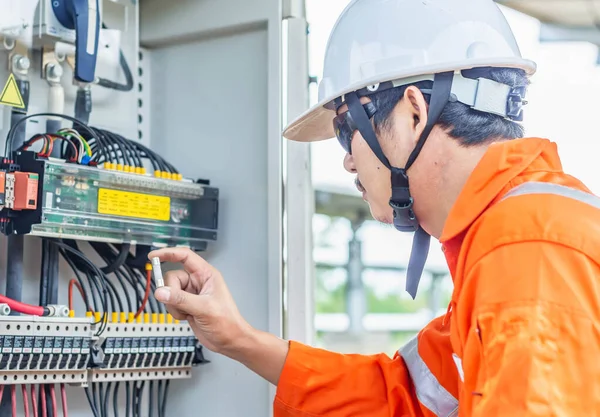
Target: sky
(564, 99)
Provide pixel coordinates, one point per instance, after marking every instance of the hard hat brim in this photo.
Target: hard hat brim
(316, 123)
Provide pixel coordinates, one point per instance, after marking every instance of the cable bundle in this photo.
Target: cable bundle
(88, 145)
(109, 147)
(43, 410)
(99, 293)
(99, 398)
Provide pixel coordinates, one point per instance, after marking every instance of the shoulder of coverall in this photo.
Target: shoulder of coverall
(546, 219)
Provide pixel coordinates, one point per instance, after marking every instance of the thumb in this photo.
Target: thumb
(184, 301)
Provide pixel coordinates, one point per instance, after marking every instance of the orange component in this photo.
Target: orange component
(26, 191)
(521, 333)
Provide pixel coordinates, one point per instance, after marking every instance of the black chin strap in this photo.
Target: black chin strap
(401, 201)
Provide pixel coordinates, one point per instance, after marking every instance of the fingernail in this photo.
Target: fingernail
(163, 294)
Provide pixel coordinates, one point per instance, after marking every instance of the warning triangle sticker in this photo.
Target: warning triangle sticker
(11, 96)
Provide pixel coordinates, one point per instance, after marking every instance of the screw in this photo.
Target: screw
(21, 62)
(54, 71)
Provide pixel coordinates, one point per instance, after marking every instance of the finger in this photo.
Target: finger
(177, 315)
(181, 279)
(193, 263)
(182, 301)
(163, 294)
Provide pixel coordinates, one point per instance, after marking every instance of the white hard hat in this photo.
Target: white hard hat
(405, 41)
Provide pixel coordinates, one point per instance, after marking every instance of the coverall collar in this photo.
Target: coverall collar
(501, 164)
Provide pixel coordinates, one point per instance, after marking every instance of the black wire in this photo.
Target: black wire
(115, 297)
(89, 398)
(135, 152)
(125, 276)
(116, 399)
(94, 143)
(111, 296)
(126, 147)
(159, 392)
(102, 249)
(94, 395)
(150, 399)
(104, 321)
(101, 399)
(85, 295)
(153, 156)
(74, 268)
(117, 147)
(128, 86)
(119, 260)
(164, 404)
(95, 285)
(127, 399)
(121, 278)
(140, 396)
(110, 150)
(106, 398)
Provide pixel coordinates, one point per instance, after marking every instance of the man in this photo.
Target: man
(432, 90)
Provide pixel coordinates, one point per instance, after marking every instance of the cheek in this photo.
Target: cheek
(374, 176)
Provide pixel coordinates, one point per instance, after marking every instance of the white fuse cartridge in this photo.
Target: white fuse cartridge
(157, 271)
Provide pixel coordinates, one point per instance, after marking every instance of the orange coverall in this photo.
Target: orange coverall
(522, 332)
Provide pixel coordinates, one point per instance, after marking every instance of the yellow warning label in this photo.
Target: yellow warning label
(11, 95)
(128, 204)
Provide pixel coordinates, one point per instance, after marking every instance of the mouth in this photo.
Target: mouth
(359, 186)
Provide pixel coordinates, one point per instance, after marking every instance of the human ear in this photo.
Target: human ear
(418, 108)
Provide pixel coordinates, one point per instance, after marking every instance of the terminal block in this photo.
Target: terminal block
(39, 350)
(134, 351)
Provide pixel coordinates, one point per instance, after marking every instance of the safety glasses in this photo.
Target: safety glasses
(344, 126)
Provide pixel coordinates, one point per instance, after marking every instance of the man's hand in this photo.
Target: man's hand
(198, 294)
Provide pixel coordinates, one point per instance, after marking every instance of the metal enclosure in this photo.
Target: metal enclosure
(212, 94)
(215, 88)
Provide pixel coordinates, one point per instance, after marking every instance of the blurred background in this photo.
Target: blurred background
(360, 302)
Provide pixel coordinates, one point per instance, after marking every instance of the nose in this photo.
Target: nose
(349, 164)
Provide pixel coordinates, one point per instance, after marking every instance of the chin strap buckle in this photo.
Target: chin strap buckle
(402, 202)
(404, 215)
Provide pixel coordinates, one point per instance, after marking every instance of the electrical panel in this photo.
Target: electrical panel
(112, 150)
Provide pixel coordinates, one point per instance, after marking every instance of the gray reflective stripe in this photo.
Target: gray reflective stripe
(429, 391)
(549, 188)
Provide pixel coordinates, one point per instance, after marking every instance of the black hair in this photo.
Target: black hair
(469, 126)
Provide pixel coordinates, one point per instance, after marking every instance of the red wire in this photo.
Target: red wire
(146, 294)
(43, 395)
(53, 397)
(34, 401)
(13, 399)
(54, 137)
(72, 283)
(22, 307)
(25, 400)
(1, 391)
(35, 139)
(63, 394)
